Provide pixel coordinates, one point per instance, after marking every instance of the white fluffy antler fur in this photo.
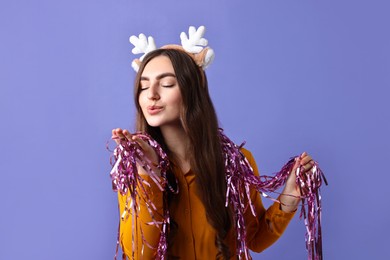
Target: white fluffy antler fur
(195, 42)
(141, 45)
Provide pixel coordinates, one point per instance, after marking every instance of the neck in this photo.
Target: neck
(177, 142)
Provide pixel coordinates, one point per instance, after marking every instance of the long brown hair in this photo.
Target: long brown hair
(200, 123)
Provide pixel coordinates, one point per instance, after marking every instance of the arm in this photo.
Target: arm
(264, 229)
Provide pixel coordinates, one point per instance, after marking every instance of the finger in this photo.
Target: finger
(144, 145)
(305, 160)
(127, 134)
(114, 132)
(296, 165)
(308, 166)
(116, 135)
(305, 157)
(119, 133)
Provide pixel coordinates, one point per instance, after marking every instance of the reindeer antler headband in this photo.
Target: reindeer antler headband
(193, 45)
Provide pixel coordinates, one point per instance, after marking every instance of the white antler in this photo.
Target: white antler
(142, 45)
(195, 42)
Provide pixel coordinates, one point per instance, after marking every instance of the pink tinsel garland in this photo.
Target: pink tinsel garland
(240, 179)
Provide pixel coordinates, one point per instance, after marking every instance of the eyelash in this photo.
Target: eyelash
(164, 86)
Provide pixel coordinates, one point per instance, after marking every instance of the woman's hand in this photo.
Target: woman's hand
(291, 193)
(119, 135)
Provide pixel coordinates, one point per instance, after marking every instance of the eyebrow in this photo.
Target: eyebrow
(163, 75)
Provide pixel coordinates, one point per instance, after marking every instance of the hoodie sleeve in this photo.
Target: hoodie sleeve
(136, 229)
(264, 229)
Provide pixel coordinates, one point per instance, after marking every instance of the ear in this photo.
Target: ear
(209, 58)
(135, 64)
(204, 58)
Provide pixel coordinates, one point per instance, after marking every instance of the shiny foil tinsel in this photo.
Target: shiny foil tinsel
(126, 180)
(239, 178)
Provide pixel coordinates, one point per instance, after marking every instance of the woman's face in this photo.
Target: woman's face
(160, 97)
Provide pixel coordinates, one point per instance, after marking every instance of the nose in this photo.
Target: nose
(153, 93)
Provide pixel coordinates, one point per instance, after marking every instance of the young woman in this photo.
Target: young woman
(174, 107)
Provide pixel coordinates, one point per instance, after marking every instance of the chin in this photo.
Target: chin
(153, 123)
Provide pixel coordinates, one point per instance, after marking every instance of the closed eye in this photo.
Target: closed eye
(143, 87)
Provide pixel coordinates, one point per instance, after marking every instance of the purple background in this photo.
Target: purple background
(289, 76)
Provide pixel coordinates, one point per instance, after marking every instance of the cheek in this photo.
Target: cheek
(177, 100)
(141, 100)
(142, 105)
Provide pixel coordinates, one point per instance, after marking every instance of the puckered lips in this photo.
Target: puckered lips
(154, 110)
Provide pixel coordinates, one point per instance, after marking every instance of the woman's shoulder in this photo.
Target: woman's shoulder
(246, 153)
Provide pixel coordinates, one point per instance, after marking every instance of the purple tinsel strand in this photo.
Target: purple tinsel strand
(239, 173)
(239, 178)
(126, 179)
